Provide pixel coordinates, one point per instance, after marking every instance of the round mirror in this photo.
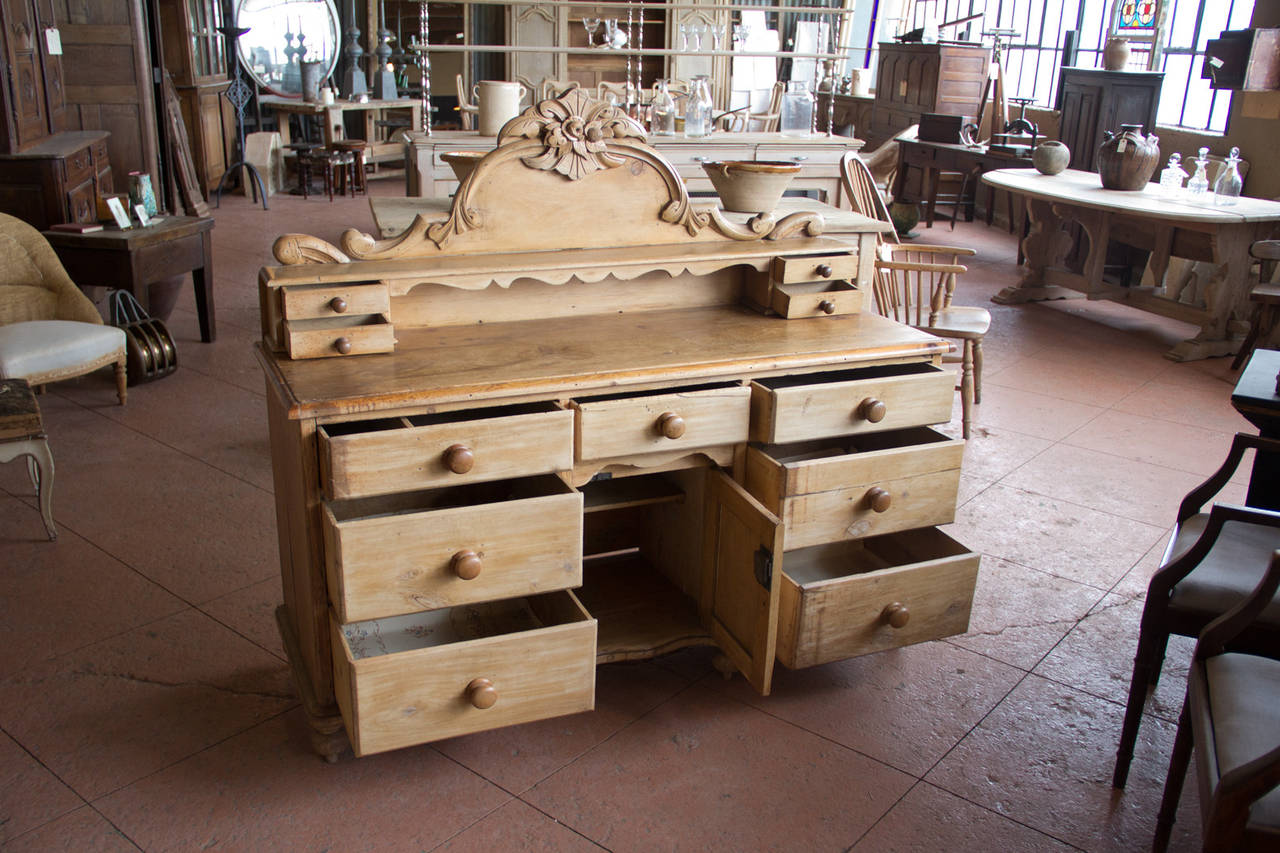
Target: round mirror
(283, 33)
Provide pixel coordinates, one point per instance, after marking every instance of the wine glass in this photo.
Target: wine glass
(697, 31)
(684, 37)
(591, 25)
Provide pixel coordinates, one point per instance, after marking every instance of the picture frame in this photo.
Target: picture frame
(141, 211)
(121, 216)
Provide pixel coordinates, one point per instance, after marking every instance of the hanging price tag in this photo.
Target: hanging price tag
(53, 41)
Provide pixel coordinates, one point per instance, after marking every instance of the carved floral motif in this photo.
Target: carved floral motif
(574, 130)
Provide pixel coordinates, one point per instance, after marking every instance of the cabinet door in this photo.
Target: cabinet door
(1080, 132)
(742, 578)
(22, 43)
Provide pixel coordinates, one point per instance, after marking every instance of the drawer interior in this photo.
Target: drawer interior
(839, 560)
(825, 448)
(469, 494)
(340, 321)
(463, 623)
(858, 373)
(461, 416)
(656, 392)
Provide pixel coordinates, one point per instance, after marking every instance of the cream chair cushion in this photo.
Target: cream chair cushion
(42, 351)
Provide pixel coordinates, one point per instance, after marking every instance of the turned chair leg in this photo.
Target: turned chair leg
(1146, 662)
(122, 380)
(977, 371)
(966, 389)
(1173, 782)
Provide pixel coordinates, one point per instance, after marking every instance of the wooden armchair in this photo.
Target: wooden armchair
(742, 119)
(466, 109)
(1211, 563)
(49, 330)
(1232, 716)
(914, 284)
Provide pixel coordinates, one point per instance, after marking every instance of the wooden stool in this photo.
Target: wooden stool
(356, 148)
(1266, 299)
(22, 434)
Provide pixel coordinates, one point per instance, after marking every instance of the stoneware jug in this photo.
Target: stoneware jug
(499, 102)
(1115, 56)
(1126, 161)
(1050, 157)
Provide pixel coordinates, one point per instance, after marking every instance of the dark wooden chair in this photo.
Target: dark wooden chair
(1212, 562)
(1232, 716)
(1266, 300)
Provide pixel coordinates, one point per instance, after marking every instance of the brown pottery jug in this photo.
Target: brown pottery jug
(1126, 161)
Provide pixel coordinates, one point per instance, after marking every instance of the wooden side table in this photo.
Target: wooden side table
(1257, 398)
(22, 434)
(135, 258)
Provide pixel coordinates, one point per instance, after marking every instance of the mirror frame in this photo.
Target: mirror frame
(244, 47)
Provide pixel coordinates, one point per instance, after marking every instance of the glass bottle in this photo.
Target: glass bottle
(1199, 183)
(662, 112)
(697, 114)
(797, 109)
(1173, 176)
(1226, 191)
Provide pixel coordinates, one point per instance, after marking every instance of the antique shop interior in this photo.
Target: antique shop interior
(843, 425)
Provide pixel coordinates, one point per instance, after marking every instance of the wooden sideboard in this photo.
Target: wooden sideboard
(427, 175)
(581, 420)
(1093, 101)
(914, 79)
(59, 179)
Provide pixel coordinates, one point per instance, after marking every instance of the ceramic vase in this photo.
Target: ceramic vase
(1127, 160)
(1050, 157)
(141, 192)
(750, 186)
(1115, 56)
(498, 102)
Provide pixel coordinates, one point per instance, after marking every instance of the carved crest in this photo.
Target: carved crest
(573, 129)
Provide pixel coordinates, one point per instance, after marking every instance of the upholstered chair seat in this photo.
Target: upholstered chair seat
(41, 351)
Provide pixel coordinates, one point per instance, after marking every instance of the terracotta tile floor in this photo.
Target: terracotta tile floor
(145, 702)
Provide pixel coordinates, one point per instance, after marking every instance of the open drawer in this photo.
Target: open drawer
(413, 679)
(862, 485)
(853, 598)
(631, 423)
(815, 298)
(843, 402)
(400, 553)
(343, 334)
(372, 457)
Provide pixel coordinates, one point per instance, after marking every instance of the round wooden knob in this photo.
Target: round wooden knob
(896, 614)
(481, 693)
(879, 499)
(466, 564)
(826, 306)
(824, 270)
(459, 459)
(872, 410)
(671, 425)
(338, 304)
(342, 345)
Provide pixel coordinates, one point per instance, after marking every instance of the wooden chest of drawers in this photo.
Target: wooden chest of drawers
(57, 180)
(601, 453)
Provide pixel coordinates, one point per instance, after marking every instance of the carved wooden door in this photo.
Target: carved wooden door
(34, 80)
(742, 578)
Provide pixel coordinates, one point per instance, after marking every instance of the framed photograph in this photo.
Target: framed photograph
(141, 211)
(116, 206)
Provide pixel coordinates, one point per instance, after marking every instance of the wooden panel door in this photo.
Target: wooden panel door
(27, 108)
(108, 76)
(1080, 131)
(742, 578)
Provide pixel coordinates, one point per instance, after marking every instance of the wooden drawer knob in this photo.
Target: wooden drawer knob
(466, 564)
(459, 459)
(824, 270)
(896, 615)
(671, 425)
(343, 345)
(481, 693)
(872, 410)
(826, 306)
(879, 499)
(338, 304)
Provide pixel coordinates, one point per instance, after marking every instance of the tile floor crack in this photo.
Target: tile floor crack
(142, 679)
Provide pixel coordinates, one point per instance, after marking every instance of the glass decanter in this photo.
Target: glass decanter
(1199, 183)
(697, 114)
(1173, 176)
(1226, 190)
(797, 109)
(662, 111)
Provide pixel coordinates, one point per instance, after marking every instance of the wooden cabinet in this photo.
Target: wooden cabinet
(32, 96)
(1093, 101)
(58, 179)
(914, 79)
(195, 55)
(601, 453)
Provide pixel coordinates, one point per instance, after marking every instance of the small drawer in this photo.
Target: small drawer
(624, 425)
(866, 485)
(866, 399)
(815, 299)
(80, 166)
(413, 679)
(302, 303)
(401, 553)
(362, 458)
(853, 598)
(798, 152)
(814, 268)
(101, 158)
(348, 334)
(83, 204)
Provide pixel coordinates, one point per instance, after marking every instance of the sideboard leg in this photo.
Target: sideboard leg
(724, 666)
(328, 737)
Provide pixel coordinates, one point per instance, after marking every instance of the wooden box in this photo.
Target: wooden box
(1243, 59)
(936, 127)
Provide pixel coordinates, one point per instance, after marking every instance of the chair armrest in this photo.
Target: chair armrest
(1266, 250)
(938, 250)
(1166, 577)
(920, 266)
(1200, 495)
(1239, 789)
(1221, 631)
